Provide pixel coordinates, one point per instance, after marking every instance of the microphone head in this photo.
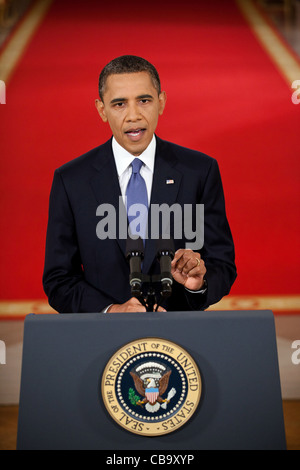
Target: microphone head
(134, 247)
(165, 246)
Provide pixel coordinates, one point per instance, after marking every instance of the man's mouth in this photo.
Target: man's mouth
(135, 134)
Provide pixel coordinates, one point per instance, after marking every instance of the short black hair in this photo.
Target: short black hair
(128, 64)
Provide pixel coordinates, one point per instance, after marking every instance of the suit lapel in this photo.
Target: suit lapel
(165, 186)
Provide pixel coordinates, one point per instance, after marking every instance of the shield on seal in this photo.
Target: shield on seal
(152, 395)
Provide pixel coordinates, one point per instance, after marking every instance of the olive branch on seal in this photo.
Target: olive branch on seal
(133, 397)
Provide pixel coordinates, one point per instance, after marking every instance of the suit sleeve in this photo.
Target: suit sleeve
(218, 251)
(63, 277)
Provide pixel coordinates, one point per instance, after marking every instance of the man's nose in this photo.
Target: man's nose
(133, 112)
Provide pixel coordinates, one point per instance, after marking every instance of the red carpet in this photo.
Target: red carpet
(225, 98)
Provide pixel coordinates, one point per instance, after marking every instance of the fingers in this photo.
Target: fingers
(188, 262)
(160, 309)
(132, 305)
(178, 255)
(189, 269)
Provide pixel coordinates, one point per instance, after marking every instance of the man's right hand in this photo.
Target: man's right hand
(132, 305)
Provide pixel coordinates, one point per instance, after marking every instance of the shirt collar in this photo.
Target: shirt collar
(123, 158)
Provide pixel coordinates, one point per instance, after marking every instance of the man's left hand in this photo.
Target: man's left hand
(188, 269)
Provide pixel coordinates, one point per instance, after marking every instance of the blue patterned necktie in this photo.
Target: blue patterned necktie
(136, 193)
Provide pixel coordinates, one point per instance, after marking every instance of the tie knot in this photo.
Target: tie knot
(136, 165)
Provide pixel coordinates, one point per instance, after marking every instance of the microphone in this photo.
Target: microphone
(165, 254)
(135, 255)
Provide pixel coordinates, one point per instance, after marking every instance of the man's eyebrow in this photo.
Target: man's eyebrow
(118, 100)
(123, 100)
(142, 97)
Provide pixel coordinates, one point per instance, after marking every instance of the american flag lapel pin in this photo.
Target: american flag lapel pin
(170, 181)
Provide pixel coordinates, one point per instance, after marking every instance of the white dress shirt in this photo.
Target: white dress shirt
(123, 161)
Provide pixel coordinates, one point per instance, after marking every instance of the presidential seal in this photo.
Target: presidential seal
(151, 386)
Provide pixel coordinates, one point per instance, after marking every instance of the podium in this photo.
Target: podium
(62, 405)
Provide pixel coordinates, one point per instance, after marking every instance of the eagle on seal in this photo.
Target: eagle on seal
(152, 386)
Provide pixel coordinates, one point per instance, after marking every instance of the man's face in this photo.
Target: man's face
(131, 106)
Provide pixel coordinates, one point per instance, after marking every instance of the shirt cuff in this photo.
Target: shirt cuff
(201, 291)
(105, 309)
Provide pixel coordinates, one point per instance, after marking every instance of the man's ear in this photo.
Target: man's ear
(100, 108)
(162, 102)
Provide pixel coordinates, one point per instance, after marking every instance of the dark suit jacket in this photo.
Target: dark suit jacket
(85, 274)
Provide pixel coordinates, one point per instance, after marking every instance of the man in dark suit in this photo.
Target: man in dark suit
(84, 273)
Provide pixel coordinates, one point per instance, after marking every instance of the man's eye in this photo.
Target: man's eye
(119, 105)
(144, 101)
